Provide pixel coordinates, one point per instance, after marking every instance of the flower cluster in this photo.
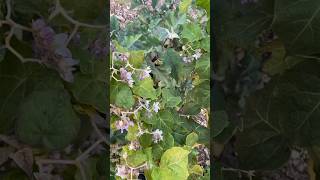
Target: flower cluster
(124, 123)
(52, 49)
(98, 48)
(125, 172)
(188, 59)
(157, 136)
(126, 76)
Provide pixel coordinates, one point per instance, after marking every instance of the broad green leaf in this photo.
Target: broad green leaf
(132, 133)
(184, 5)
(170, 99)
(154, 3)
(46, 118)
(200, 94)
(192, 32)
(90, 90)
(135, 3)
(144, 88)
(18, 80)
(221, 121)
(163, 120)
(130, 40)
(295, 23)
(283, 114)
(205, 4)
(136, 58)
(192, 139)
(179, 70)
(167, 142)
(203, 67)
(173, 165)
(114, 23)
(75, 8)
(136, 158)
(240, 24)
(145, 140)
(123, 96)
(196, 169)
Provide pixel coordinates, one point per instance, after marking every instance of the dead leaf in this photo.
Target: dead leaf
(24, 159)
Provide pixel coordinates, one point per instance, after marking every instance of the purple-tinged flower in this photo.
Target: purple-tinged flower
(52, 49)
(157, 136)
(98, 48)
(126, 76)
(123, 57)
(122, 171)
(38, 24)
(156, 107)
(134, 145)
(123, 124)
(145, 73)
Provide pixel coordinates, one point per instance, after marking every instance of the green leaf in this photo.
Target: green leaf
(220, 122)
(284, 114)
(205, 4)
(145, 89)
(173, 165)
(173, 62)
(130, 40)
(17, 81)
(145, 140)
(184, 5)
(197, 169)
(123, 96)
(75, 8)
(203, 67)
(240, 24)
(136, 158)
(170, 99)
(163, 120)
(154, 3)
(46, 118)
(192, 139)
(114, 23)
(89, 89)
(136, 58)
(296, 27)
(192, 32)
(132, 133)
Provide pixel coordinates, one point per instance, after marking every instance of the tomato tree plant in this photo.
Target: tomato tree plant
(160, 91)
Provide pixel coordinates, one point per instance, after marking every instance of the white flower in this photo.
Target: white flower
(156, 107)
(157, 136)
(197, 55)
(187, 59)
(145, 73)
(125, 155)
(122, 171)
(147, 103)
